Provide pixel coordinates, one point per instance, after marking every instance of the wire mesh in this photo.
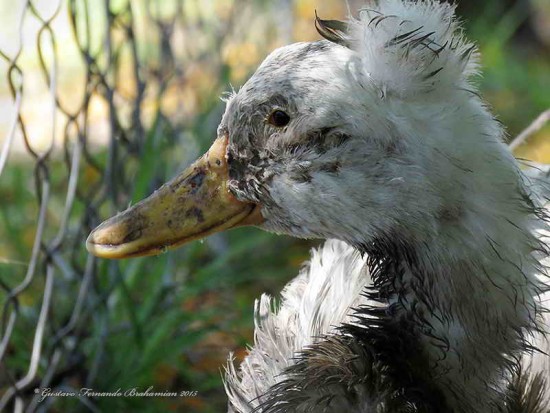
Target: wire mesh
(134, 77)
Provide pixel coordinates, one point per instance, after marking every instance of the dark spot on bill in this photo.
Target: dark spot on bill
(196, 180)
(195, 212)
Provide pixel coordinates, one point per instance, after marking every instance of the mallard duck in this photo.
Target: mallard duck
(427, 296)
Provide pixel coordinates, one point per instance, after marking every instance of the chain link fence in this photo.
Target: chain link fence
(118, 80)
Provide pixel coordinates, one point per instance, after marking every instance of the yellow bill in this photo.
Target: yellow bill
(194, 204)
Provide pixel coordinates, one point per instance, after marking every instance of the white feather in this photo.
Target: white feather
(398, 62)
(312, 305)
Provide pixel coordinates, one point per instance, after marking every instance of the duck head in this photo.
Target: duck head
(353, 138)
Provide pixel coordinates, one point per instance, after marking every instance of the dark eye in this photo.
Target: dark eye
(279, 118)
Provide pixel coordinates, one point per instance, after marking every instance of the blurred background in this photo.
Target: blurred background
(102, 101)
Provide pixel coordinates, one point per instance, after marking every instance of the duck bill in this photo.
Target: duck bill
(194, 204)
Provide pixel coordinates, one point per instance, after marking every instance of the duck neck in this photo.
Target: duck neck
(469, 301)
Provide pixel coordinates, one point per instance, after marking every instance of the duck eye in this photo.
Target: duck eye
(279, 118)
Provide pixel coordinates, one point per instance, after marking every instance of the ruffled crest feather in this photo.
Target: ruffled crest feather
(407, 47)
